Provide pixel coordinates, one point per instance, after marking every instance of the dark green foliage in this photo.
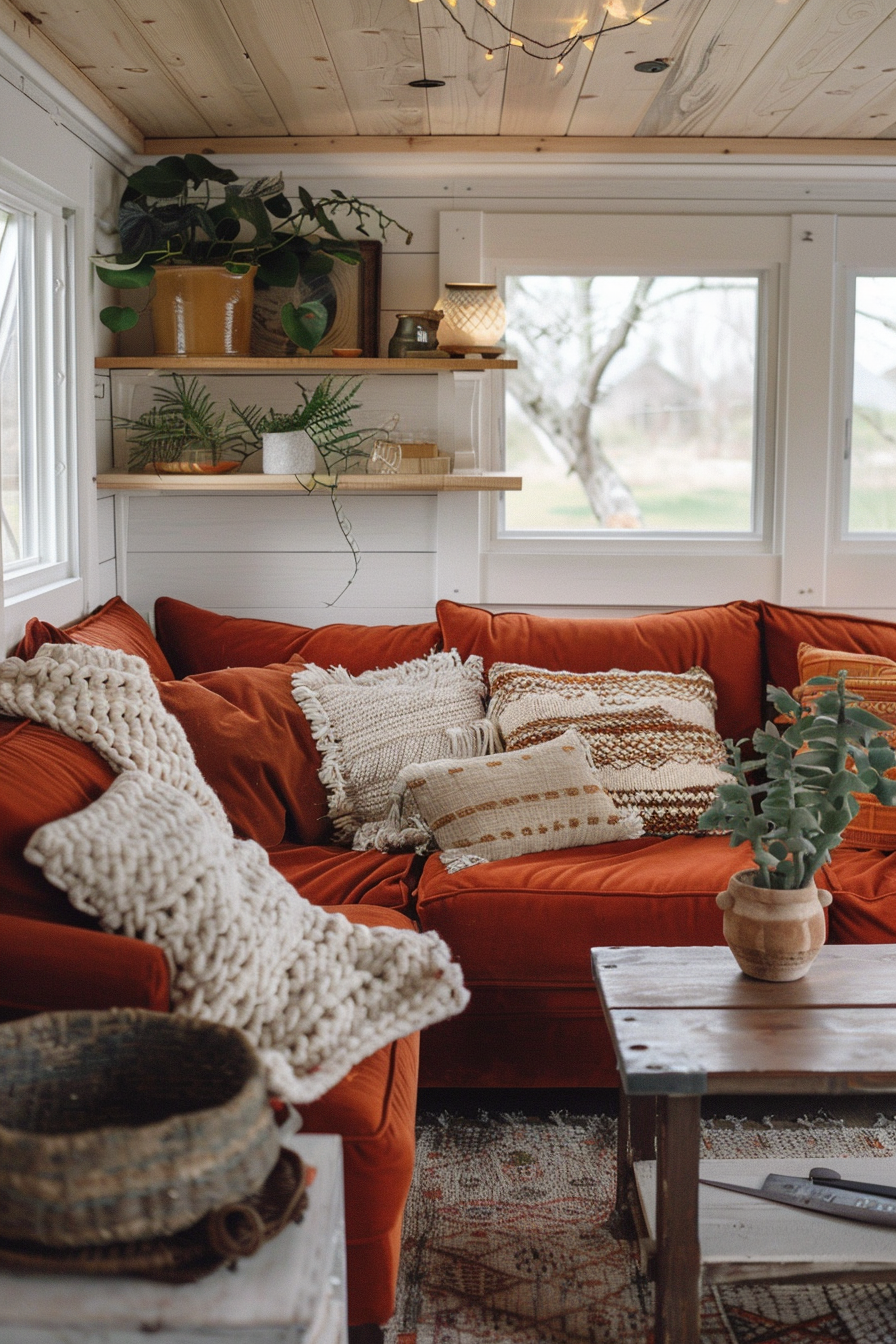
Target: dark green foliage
(175, 212)
(183, 419)
(807, 797)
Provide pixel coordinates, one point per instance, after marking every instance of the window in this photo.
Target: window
(872, 457)
(635, 404)
(35, 406)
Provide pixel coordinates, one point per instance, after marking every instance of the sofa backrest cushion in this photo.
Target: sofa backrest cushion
(196, 640)
(723, 640)
(43, 776)
(254, 747)
(786, 628)
(114, 626)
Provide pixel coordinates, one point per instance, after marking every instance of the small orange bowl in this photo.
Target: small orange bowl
(347, 354)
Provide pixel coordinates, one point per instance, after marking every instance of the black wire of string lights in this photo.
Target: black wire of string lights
(550, 51)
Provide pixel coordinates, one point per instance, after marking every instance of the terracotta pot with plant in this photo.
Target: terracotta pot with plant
(201, 237)
(774, 913)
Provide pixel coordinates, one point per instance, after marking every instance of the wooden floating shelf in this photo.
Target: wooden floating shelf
(252, 364)
(255, 483)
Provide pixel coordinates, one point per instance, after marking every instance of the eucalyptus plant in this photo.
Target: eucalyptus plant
(183, 418)
(807, 796)
(188, 211)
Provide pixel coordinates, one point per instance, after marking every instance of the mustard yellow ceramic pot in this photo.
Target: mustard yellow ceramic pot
(202, 310)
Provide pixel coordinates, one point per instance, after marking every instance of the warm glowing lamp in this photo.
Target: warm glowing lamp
(475, 317)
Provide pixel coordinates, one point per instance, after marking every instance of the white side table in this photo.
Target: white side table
(291, 1292)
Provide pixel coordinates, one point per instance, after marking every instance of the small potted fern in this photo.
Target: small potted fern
(774, 914)
(183, 431)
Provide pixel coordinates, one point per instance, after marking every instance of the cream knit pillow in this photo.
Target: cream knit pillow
(368, 727)
(519, 802)
(651, 735)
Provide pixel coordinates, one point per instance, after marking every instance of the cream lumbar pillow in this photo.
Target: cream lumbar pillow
(651, 735)
(368, 727)
(314, 993)
(517, 802)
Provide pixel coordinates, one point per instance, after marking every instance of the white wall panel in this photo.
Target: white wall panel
(105, 517)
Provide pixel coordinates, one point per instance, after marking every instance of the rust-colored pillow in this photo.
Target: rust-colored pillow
(114, 626)
(873, 677)
(784, 629)
(43, 776)
(723, 640)
(196, 640)
(254, 746)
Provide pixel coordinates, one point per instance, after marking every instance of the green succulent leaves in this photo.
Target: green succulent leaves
(807, 797)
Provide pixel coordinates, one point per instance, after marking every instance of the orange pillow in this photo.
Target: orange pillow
(114, 626)
(784, 629)
(254, 747)
(723, 640)
(197, 640)
(873, 677)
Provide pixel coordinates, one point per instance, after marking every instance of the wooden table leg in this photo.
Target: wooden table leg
(677, 1319)
(635, 1140)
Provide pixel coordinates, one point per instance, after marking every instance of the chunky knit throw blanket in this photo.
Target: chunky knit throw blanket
(155, 858)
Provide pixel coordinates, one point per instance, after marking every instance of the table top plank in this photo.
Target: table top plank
(709, 977)
(836, 1050)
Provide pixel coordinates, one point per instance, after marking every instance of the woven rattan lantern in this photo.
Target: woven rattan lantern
(475, 317)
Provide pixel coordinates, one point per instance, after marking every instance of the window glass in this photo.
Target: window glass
(634, 406)
(872, 483)
(13, 500)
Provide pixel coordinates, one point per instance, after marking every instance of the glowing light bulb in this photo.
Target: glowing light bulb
(558, 67)
(492, 3)
(589, 42)
(515, 42)
(615, 8)
(648, 22)
(489, 55)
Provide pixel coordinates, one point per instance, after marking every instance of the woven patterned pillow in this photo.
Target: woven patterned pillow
(651, 734)
(519, 802)
(873, 677)
(367, 728)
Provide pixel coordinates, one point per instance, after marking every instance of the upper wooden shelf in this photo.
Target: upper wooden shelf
(254, 482)
(253, 364)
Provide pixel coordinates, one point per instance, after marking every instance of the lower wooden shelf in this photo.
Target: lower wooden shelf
(255, 483)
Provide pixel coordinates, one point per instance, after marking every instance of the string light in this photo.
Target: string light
(558, 51)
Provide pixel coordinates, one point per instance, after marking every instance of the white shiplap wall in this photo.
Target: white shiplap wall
(282, 558)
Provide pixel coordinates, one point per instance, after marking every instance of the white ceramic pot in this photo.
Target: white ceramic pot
(289, 454)
(774, 935)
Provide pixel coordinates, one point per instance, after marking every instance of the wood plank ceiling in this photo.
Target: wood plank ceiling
(257, 70)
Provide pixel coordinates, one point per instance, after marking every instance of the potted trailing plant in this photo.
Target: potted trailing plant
(774, 921)
(203, 236)
(184, 432)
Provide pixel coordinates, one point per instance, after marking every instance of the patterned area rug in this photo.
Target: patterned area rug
(504, 1241)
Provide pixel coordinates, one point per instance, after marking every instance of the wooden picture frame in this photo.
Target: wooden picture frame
(352, 291)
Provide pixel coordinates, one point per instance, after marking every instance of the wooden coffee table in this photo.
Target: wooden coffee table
(685, 1021)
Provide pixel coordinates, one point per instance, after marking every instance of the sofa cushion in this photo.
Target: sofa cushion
(196, 640)
(374, 1109)
(532, 920)
(330, 875)
(44, 967)
(863, 885)
(43, 776)
(723, 640)
(114, 626)
(254, 747)
(785, 628)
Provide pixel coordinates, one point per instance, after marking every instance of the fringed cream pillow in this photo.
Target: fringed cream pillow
(368, 727)
(518, 802)
(652, 735)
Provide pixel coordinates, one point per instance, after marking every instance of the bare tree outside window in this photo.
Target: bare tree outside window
(634, 403)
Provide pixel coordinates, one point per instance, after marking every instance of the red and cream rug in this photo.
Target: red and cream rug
(505, 1241)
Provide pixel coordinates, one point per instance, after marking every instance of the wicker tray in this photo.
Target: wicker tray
(127, 1124)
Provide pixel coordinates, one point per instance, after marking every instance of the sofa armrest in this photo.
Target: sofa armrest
(44, 967)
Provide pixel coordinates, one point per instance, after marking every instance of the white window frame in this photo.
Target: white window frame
(45, 322)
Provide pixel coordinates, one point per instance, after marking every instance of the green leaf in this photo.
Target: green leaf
(166, 178)
(251, 209)
(316, 263)
(200, 169)
(307, 201)
(280, 268)
(139, 230)
(238, 267)
(279, 207)
(134, 277)
(119, 319)
(304, 324)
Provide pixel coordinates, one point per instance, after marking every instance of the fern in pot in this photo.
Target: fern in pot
(792, 818)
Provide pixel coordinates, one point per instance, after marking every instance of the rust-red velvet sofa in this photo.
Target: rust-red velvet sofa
(521, 928)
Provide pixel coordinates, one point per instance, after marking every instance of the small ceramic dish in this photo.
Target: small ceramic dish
(347, 354)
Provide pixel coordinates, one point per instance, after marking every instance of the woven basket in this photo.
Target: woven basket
(127, 1124)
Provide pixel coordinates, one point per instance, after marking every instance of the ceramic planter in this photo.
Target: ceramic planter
(774, 935)
(289, 454)
(202, 310)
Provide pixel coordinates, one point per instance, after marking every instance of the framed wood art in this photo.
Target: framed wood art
(351, 294)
